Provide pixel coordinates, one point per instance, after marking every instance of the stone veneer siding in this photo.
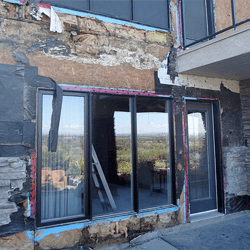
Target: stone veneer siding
(12, 177)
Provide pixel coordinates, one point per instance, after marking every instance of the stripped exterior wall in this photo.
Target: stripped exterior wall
(86, 52)
(90, 54)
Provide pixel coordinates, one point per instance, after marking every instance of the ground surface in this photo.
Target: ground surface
(226, 232)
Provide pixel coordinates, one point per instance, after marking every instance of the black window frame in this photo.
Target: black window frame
(88, 157)
(209, 19)
(89, 9)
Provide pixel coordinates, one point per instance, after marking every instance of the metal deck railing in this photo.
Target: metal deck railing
(212, 35)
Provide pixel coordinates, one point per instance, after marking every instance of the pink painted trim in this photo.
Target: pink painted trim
(38, 4)
(44, 5)
(33, 184)
(174, 113)
(111, 91)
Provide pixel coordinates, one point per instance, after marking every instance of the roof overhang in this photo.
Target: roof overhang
(226, 57)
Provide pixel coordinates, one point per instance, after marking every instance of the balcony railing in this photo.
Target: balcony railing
(210, 23)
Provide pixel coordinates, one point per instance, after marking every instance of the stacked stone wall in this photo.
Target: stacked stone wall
(245, 104)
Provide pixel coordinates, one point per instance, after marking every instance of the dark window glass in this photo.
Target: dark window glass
(198, 158)
(80, 5)
(151, 12)
(111, 130)
(62, 172)
(154, 170)
(113, 179)
(154, 12)
(195, 20)
(119, 9)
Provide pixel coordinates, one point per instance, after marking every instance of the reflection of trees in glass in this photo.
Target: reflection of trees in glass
(69, 155)
(123, 154)
(152, 149)
(196, 148)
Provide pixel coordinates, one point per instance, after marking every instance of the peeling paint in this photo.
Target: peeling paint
(30, 235)
(199, 82)
(55, 23)
(122, 56)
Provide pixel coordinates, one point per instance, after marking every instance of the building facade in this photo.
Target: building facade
(120, 117)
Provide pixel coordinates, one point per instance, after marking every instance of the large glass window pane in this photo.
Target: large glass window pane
(154, 12)
(194, 20)
(62, 174)
(119, 9)
(154, 176)
(111, 129)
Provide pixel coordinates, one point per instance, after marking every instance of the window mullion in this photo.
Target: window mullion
(134, 154)
(88, 155)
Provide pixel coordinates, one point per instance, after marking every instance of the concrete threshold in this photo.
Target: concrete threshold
(205, 216)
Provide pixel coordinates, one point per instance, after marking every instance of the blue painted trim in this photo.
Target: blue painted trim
(30, 235)
(14, 1)
(57, 230)
(28, 208)
(107, 19)
(190, 98)
(171, 96)
(172, 209)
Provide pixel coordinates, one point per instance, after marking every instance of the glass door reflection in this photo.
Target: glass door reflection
(198, 158)
(201, 157)
(153, 153)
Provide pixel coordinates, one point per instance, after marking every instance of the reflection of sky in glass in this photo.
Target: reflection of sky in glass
(122, 123)
(195, 124)
(72, 115)
(152, 123)
(72, 118)
(47, 111)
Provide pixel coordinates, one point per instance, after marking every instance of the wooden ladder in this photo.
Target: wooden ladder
(97, 170)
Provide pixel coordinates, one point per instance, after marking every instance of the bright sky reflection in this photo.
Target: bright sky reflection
(72, 119)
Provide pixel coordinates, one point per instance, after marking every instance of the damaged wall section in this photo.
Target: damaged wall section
(245, 104)
(17, 132)
(86, 50)
(232, 140)
(106, 232)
